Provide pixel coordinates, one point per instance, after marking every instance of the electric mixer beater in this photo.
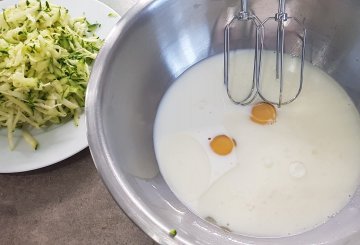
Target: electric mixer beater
(283, 21)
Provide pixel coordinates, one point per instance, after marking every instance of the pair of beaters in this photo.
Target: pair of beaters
(283, 21)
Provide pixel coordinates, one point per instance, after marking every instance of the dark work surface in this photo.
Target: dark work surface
(65, 203)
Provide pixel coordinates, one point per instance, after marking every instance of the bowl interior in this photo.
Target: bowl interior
(154, 44)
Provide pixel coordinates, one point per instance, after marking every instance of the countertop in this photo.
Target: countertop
(65, 203)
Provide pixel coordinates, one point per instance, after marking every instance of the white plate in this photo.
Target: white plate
(59, 142)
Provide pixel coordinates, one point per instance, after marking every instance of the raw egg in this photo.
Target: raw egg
(222, 145)
(263, 113)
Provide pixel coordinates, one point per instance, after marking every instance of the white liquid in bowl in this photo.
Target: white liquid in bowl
(280, 179)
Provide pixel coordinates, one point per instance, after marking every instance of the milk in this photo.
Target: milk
(281, 179)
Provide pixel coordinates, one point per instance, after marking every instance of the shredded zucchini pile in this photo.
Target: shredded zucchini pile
(44, 66)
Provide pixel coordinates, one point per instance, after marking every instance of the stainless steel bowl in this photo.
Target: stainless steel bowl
(147, 50)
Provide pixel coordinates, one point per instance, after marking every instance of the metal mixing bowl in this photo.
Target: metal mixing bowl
(147, 50)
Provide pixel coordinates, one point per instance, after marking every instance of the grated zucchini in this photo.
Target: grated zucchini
(44, 66)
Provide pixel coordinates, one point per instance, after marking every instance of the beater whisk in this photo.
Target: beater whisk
(243, 16)
(282, 19)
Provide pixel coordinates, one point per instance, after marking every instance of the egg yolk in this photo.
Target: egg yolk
(222, 145)
(263, 113)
